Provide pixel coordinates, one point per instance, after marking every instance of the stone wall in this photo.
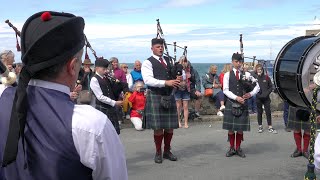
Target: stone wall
(208, 108)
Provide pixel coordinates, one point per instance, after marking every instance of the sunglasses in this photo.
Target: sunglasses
(125, 67)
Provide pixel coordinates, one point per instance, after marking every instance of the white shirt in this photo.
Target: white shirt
(317, 154)
(2, 88)
(147, 73)
(96, 89)
(129, 80)
(230, 94)
(95, 139)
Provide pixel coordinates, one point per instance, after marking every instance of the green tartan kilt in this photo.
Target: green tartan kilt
(232, 123)
(299, 119)
(157, 117)
(112, 114)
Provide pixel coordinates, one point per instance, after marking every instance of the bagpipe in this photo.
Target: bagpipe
(18, 33)
(117, 86)
(160, 35)
(248, 82)
(176, 67)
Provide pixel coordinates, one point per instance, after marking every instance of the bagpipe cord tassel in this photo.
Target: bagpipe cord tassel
(310, 175)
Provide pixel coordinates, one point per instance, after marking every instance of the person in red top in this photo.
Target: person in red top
(138, 100)
(226, 68)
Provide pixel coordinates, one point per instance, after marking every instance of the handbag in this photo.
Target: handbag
(165, 102)
(208, 92)
(85, 97)
(237, 109)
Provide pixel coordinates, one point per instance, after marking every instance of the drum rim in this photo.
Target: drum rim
(299, 68)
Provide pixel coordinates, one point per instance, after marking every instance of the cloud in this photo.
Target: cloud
(259, 4)
(128, 30)
(206, 43)
(184, 3)
(207, 34)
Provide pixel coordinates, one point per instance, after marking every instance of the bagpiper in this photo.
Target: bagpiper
(236, 116)
(160, 109)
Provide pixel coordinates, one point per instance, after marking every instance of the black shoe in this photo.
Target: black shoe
(287, 129)
(170, 156)
(240, 153)
(296, 153)
(230, 152)
(306, 154)
(158, 158)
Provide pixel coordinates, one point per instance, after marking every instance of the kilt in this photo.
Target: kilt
(112, 114)
(232, 123)
(298, 119)
(157, 117)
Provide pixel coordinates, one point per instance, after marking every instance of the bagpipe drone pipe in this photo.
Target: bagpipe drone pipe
(117, 86)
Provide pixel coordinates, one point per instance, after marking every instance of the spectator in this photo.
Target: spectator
(182, 93)
(86, 74)
(124, 68)
(116, 72)
(263, 98)
(211, 81)
(226, 68)
(195, 89)
(252, 104)
(7, 58)
(136, 73)
(138, 101)
(126, 104)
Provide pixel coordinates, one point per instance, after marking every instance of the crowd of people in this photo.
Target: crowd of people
(57, 96)
(189, 89)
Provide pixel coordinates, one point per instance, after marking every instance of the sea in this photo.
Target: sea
(203, 68)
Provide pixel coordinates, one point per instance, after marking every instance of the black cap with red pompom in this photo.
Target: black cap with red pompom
(51, 37)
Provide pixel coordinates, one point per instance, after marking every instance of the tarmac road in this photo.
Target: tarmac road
(201, 155)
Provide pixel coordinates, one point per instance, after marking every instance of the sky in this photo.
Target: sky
(209, 28)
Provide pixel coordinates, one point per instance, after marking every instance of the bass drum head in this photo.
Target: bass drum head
(310, 67)
(294, 69)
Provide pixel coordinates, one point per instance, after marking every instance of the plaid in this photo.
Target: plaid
(230, 122)
(112, 114)
(157, 117)
(299, 119)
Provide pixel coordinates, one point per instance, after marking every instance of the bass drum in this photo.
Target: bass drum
(294, 69)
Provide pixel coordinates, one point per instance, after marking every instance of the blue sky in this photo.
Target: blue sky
(210, 28)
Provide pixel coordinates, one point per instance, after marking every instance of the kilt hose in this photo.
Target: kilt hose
(299, 119)
(112, 114)
(232, 123)
(156, 117)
